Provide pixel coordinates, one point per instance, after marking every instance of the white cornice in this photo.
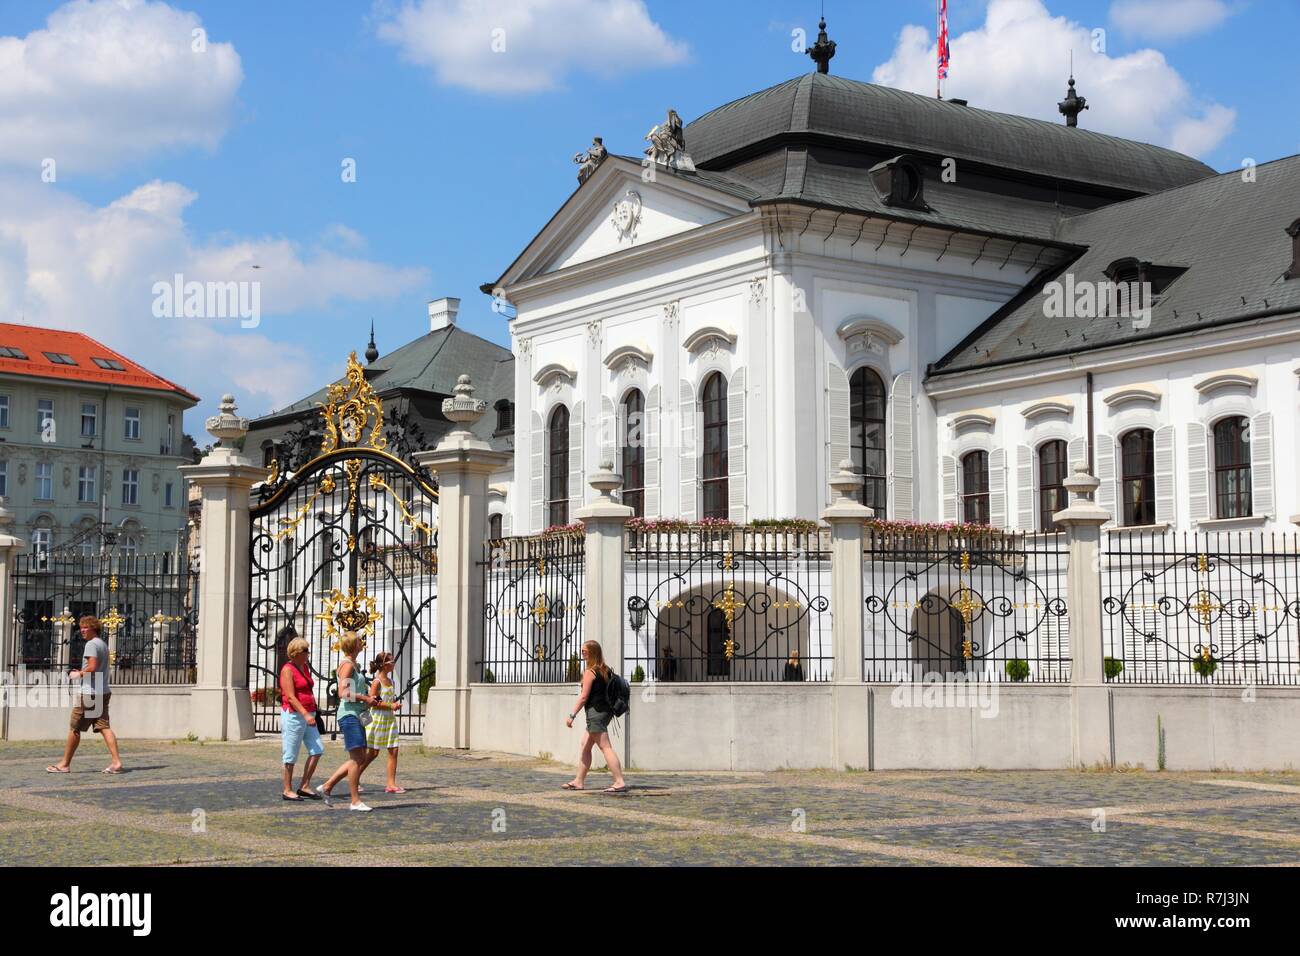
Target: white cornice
(1133, 395)
(1051, 406)
(1233, 378)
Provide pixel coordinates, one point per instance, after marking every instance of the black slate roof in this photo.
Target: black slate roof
(818, 106)
(1229, 235)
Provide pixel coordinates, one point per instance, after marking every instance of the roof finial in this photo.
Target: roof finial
(823, 49)
(372, 351)
(1073, 104)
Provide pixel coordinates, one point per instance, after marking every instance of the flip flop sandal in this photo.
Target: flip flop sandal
(394, 790)
(111, 770)
(307, 795)
(615, 790)
(285, 796)
(569, 786)
(54, 769)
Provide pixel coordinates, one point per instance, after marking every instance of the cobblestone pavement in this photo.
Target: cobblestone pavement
(190, 803)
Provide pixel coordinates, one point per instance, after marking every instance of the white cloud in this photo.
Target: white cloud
(109, 81)
(1168, 19)
(67, 264)
(524, 46)
(1017, 62)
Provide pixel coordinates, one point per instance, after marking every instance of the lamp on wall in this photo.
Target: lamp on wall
(636, 613)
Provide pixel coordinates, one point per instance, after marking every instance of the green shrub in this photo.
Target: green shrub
(1114, 667)
(638, 675)
(488, 676)
(573, 673)
(428, 678)
(1205, 665)
(1017, 669)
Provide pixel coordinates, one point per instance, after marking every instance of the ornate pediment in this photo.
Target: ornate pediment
(629, 358)
(1134, 394)
(971, 421)
(868, 335)
(1046, 408)
(709, 338)
(353, 416)
(555, 375)
(1236, 378)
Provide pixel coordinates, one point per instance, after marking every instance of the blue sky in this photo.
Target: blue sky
(454, 178)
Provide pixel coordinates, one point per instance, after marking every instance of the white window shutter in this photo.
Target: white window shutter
(901, 503)
(610, 435)
(837, 422)
(1025, 488)
(1166, 507)
(1198, 473)
(507, 525)
(537, 476)
(998, 488)
(1076, 451)
(1106, 474)
(576, 469)
(689, 460)
(1261, 465)
(950, 499)
(650, 432)
(737, 499)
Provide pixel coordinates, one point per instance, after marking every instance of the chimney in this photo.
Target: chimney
(442, 313)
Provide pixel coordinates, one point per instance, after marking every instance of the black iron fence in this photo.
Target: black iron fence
(728, 604)
(1216, 608)
(147, 605)
(533, 608)
(989, 605)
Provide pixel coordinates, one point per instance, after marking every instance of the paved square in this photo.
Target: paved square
(193, 804)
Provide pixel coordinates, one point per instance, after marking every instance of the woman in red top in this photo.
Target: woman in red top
(298, 720)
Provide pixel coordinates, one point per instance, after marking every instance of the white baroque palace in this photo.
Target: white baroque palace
(830, 270)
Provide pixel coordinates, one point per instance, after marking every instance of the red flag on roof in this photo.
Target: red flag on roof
(943, 39)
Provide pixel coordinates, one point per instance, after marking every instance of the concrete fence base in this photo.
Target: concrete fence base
(739, 726)
(139, 712)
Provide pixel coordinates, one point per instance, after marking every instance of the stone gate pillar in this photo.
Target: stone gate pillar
(220, 708)
(463, 465)
(604, 519)
(10, 545)
(850, 729)
(1089, 699)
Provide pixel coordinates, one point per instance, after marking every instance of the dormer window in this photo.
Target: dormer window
(1152, 279)
(899, 182)
(1293, 231)
(505, 416)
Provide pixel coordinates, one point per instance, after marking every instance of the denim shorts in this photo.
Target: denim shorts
(294, 732)
(354, 735)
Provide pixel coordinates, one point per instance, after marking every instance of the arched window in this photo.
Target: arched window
(975, 487)
(634, 452)
(714, 464)
(494, 527)
(1051, 482)
(557, 456)
(717, 641)
(1138, 473)
(1232, 468)
(867, 435)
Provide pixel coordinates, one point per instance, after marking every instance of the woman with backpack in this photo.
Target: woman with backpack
(593, 698)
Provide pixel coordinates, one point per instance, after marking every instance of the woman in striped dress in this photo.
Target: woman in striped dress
(382, 732)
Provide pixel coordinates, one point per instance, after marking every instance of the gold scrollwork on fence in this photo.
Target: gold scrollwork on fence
(351, 610)
(352, 407)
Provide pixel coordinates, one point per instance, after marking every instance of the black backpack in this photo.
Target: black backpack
(618, 693)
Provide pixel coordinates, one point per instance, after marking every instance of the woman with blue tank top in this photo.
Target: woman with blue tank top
(353, 715)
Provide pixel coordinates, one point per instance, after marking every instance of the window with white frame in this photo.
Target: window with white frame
(4, 411)
(130, 551)
(130, 486)
(87, 479)
(44, 480)
(132, 423)
(44, 413)
(89, 419)
(1232, 477)
(557, 454)
(168, 501)
(975, 487)
(168, 445)
(4, 478)
(41, 541)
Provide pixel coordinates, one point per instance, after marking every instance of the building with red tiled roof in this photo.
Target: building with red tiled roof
(90, 441)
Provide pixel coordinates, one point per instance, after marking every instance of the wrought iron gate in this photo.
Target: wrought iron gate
(347, 542)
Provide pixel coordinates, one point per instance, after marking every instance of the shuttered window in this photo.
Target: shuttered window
(975, 487)
(867, 435)
(634, 441)
(1232, 468)
(557, 453)
(1052, 465)
(714, 459)
(1138, 463)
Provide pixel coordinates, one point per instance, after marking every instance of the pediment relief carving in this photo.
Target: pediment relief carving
(710, 338)
(863, 334)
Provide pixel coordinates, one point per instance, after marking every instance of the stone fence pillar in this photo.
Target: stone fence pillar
(849, 697)
(1090, 709)
(463, 465)
(9, 548)
(604, 520)
(220, 708)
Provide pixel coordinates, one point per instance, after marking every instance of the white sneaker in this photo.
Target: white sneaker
(325, 795)
(360, 808)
